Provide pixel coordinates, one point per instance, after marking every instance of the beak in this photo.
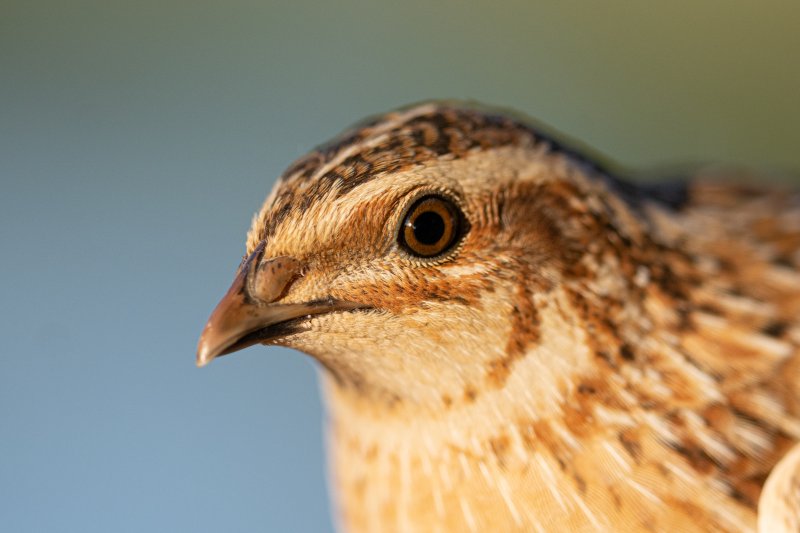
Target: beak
(248, 314)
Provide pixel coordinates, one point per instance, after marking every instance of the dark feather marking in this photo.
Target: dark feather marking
(451, 132)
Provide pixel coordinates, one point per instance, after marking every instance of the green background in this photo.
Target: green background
(138, 138)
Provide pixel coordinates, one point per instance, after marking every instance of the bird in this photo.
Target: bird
(516, 335)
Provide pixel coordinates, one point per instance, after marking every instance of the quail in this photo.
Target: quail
(515, 337)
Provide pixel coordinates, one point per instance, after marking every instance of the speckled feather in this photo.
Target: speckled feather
(594, 355)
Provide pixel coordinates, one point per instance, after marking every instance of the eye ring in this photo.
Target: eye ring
(431, 226)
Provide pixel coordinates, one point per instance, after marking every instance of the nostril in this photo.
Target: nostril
(254, 257)
(271, 278)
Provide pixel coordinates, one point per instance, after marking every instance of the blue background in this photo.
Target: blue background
(138, 138)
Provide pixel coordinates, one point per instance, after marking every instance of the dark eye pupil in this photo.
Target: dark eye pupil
(428, 227)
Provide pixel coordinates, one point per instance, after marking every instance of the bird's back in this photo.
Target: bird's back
(737, 269)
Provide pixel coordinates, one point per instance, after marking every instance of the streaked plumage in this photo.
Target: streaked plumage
(590, 354)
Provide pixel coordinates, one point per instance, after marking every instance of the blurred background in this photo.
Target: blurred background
(138, 138)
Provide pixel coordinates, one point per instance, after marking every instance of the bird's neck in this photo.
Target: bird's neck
(391, 459)
(568, 425)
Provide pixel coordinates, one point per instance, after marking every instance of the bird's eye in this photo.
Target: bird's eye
(431, 227)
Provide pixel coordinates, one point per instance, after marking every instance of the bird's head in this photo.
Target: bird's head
(412, 256)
